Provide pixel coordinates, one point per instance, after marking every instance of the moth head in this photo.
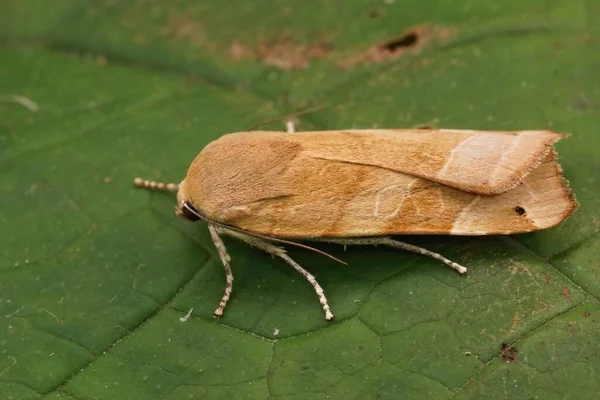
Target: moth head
(185, 208)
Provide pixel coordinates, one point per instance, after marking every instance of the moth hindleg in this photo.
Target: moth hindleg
(280, 252)
(222, 250)
(399, 245)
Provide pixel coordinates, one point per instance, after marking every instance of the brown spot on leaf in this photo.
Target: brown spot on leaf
(181, 28)
(520, 267)
(237, 51)
(285, 53)
(520, 210)
(282, 52)
(411, 40)
(547, 279)
(376, 12)
(587, 314)
(139, 38)
(508, 353)
(565, 292)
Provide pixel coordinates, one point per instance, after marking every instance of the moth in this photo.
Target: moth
(359, 187)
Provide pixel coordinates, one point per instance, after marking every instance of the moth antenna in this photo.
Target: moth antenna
(274, 239)
(286, 117)
(154, 185)
(258, 235)
(303, 246)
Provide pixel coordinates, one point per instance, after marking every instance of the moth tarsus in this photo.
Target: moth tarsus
(358, 187)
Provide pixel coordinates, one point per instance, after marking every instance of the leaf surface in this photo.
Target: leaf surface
(95, 275)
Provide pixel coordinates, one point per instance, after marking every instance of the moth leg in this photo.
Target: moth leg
(400, 245)
(154, 185)
(290, 125)
(280, 252)
(218, 242)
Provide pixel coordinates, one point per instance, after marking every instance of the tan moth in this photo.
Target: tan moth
(359, 187)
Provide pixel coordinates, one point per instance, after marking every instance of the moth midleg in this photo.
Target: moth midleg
(155, 185)
(222, 250)
(280, 252)
(398, 245)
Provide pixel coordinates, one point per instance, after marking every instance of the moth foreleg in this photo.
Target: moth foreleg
(280, 252)
(225, 260)
(399, 245)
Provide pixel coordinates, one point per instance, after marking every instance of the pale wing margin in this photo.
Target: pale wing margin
(482, 162)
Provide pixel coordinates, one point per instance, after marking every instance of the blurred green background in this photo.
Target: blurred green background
(94, 275)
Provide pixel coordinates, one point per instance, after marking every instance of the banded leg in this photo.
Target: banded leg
(313, 281)
(280, 252)
(225, 260)
(399, 245)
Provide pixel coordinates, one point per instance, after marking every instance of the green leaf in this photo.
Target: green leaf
(95, 275)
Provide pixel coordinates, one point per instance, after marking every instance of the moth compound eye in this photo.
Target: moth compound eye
(189, 212)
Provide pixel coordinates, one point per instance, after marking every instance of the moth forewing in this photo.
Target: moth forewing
(360, 186)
